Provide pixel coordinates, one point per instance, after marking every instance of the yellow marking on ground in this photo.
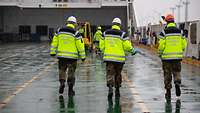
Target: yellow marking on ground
(136, 95)
(26, 84)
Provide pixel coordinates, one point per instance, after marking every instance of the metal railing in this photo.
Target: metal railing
(79, 2)
(69, 1)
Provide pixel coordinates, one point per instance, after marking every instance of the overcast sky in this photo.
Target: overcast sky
(150, 10)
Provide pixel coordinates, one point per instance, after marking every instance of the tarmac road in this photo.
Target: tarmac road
(29, 84)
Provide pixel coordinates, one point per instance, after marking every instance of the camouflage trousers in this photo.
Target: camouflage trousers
(171, 68)
(68, 65)
(113, 73)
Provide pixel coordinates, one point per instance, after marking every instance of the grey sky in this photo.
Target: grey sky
(149, 10)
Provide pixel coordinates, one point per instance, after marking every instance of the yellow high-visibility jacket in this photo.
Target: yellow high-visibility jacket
(68, 43)
(115, 44)
(172, 44)
(98, 37)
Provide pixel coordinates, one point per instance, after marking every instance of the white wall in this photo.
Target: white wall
(13, 17)
(193, 49)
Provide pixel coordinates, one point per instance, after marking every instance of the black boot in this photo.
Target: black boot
(110, 92)
(178, 90)
(62, 86)
(117, 92)
(71, 92)
(168, 95)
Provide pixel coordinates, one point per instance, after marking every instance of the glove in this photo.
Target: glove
(160, 55)
(134, 52)
(52, 55)
(83, 60)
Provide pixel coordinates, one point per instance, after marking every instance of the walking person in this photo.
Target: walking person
(171, 49)
(114, 46)
(68, 47)
(97, 39)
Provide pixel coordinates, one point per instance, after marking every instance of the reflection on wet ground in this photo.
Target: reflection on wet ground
(70, 105)
(142, 77)
(177, 107)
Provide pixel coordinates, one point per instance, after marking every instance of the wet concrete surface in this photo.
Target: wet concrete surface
(21, 62)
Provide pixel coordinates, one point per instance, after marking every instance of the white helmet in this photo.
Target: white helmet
(99, 27)
(71, 19)
(116, 20)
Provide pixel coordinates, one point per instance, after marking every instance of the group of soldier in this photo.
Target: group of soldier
(68, 46)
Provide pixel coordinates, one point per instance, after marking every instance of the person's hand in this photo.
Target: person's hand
(83, 60)
(159, 55)
(134, 52)
(52, 55)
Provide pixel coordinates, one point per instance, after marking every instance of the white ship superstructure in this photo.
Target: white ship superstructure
(47, 15)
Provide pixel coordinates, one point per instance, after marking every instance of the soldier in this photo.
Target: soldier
(113, 46)
(171, 48)
(68, 46)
